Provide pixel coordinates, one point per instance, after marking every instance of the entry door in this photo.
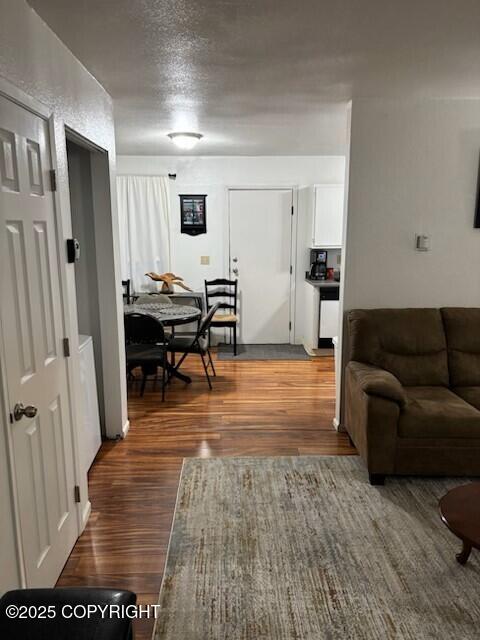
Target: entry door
(30, 313)
(260, 257)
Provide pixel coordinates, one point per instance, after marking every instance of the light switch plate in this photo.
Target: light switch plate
(422, 242)
(204, 259)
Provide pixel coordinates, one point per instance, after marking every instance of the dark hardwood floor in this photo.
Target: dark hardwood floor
(255, 409)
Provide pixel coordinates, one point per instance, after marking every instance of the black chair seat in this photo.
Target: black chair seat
(144, 353)
(224, 320)
(180, 344)
(64, 628)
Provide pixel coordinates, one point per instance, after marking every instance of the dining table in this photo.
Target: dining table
(169, 315)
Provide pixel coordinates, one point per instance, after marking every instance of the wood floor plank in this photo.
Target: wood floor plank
(265, 408)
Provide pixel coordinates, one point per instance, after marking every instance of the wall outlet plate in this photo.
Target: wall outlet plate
(204, 259)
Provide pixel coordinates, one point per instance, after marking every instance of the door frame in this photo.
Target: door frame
(57, 157)
(293, 239)
(98, 158)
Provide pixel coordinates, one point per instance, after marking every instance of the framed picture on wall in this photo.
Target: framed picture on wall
(193, 212)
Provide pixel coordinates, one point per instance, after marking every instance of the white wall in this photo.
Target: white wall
(33, 61)
(212, 176)
(413, 169)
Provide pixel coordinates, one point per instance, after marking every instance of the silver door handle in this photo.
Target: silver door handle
(19, 411)
(235, 271)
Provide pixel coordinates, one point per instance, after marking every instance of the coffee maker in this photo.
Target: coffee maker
(318, 264)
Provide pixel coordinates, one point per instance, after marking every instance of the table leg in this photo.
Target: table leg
(462, 557)
(173, 372)
(172, 356)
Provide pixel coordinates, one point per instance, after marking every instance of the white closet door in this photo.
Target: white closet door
(31, 319)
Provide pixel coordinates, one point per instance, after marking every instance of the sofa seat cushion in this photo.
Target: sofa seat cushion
(437, 412)
(470, 395)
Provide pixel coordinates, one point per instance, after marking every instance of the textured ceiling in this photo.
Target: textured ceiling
(264, 76)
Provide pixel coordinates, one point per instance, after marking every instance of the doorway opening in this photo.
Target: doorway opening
(84, 254)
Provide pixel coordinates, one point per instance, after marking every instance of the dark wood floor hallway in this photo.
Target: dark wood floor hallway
(255, 409)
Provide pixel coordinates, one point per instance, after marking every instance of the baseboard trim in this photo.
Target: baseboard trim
(87, 510)
(337, 425)
(309, 351)
(125, 429)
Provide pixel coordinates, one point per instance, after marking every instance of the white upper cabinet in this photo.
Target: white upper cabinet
(328, 215)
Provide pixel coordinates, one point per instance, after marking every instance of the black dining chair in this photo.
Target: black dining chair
(146, 347)
(199, 344)
(227, 291)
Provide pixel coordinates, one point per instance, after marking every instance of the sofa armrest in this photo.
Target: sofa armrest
(371, 419)
(377, 382)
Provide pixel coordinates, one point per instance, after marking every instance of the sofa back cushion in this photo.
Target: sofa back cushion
(410, 343)
(462, 329)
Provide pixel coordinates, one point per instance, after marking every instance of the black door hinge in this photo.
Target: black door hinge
(66, 347)
(53, 180)
(76, 492)
(291, 269)
(289, 326)
(292, 209)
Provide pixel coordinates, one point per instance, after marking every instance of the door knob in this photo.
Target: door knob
(235, 259)
(235, 271)
(19, 411)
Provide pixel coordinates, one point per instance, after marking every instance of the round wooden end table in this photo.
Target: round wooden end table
(460, 511)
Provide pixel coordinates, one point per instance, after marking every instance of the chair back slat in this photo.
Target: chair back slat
(220, 293)
(226, 305)
(219, 281)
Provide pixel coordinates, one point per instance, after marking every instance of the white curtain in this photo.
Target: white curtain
(144, 218)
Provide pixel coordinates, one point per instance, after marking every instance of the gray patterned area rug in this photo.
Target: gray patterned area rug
(303, 548)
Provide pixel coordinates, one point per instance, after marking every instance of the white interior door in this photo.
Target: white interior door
(260, 257)
(32, 334)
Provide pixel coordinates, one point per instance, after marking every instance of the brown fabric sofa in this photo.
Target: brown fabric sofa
(412, 391)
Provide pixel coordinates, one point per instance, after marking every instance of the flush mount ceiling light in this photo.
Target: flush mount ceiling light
(185, 140)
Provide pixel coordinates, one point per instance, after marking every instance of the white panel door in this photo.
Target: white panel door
(32, 339)
(260, 257)
(328, 218)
